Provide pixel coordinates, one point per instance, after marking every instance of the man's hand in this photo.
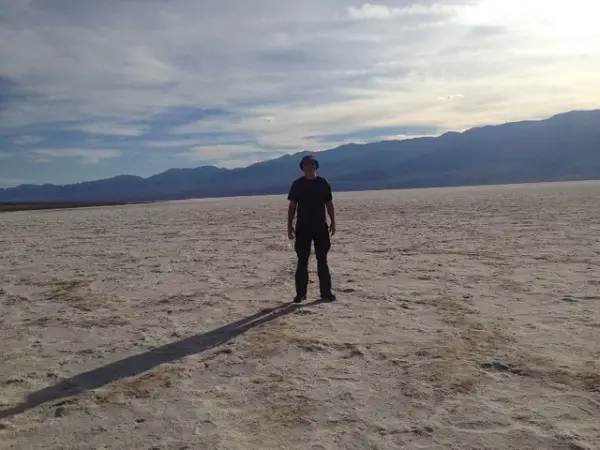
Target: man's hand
(291, 232)
(332, 228)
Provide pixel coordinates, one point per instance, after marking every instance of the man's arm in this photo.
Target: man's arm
(293, 198)
(330, 210)
(330, 207)
(291, 214)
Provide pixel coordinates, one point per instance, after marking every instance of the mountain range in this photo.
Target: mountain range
(563, 147)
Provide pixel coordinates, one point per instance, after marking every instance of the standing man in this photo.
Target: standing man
(310, 195)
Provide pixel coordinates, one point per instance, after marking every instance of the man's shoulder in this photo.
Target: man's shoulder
(297, 181)
(302, 181)
(324, 181)
(295, 188)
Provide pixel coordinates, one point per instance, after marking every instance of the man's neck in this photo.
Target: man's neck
(310, 177)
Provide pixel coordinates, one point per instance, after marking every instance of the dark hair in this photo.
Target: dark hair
(309, 158)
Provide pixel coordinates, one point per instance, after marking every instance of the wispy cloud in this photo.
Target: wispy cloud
(173, 143)
(88, 156)
(9, 182)
(218, 152)
(27, 140)
(452, 97)
(228, 156)
(376, 11)
(110, 129)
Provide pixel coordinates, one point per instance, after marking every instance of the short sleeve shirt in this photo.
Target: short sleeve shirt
(311, 196)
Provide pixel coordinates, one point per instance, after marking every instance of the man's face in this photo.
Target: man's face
(309, 167)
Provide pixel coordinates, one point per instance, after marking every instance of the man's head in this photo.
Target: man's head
(309, 165)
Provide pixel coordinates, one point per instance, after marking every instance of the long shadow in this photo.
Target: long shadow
(137, 364)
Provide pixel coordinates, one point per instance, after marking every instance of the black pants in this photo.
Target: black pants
(305, 236)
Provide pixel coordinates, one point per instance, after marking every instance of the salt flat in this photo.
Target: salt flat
(468, 318)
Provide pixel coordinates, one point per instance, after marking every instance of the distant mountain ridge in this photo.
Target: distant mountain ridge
(564, 147)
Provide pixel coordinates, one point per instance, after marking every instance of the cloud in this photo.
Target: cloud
(110, 129)
(218, 152)
(402, 137)
(172, 143)
(88, 156)
(379, 133)
(369, 11)
(228, 156)
(152, 82)
(27, 140)
(11, 92)
(9, 182)
(452, 97)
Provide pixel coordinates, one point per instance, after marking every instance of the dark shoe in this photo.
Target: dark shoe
(299, 298)
(329, 297)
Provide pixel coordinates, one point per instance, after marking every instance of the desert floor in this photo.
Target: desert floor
(467, 318)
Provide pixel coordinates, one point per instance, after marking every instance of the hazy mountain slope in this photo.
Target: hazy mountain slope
(563, 147)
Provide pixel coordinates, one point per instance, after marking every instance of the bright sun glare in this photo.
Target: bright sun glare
(573, 20)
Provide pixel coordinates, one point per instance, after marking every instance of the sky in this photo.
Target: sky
(92, 89)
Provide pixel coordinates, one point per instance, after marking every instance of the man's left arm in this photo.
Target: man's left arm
(330, 207)
(330, 210)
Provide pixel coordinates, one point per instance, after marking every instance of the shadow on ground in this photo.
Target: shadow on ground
(137, 364)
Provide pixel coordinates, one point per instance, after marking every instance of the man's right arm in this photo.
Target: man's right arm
(292, 210)
(291, 213)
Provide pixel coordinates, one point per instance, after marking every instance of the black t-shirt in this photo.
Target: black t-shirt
(311, 195)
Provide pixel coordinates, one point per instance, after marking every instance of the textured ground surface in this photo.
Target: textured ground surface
(467, 319)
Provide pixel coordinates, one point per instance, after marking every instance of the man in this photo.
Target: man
(310, 195)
